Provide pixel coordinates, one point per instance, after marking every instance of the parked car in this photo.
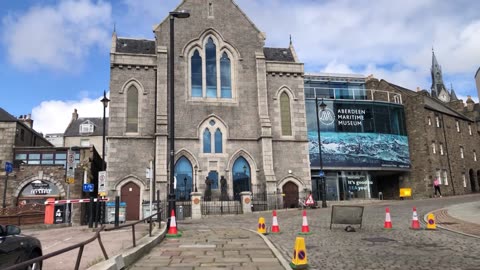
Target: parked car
(16, 248)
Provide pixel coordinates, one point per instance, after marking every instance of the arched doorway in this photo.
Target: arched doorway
(130, 194)
(472, 180)
(183, 174)
(290, 190)
(37, 191)
(241, 177)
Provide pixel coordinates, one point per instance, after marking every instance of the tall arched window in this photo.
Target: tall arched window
(183, 175)
(218, 141)
(207, 141)
(285, 115)
(225, 76)
(211, 68)
(196, 74)
(132, 109)
(241, 176)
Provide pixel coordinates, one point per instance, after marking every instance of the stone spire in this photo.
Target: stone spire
(453, 96)
(437, 80)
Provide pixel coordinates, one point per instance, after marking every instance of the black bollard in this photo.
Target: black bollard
(159, 217)
(90, 213)
(117, 211)
(97, 212)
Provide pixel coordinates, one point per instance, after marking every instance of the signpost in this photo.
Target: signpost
(102, 183)
(8, 170)
(88, 187)
(70, 178)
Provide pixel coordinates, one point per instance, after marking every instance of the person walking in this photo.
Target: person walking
(436, 185)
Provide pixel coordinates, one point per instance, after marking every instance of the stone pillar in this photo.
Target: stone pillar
(246, 201)
(196, 205)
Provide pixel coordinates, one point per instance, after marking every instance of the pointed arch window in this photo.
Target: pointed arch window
(183, 175)
(207, 141)
(211, 68)
(218, 141)
(241, 174)
(132, 109)
(196, 74)
(285, 114)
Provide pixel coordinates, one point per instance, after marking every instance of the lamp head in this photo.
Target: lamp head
(105, 100)
(181, 14)
(323, 105)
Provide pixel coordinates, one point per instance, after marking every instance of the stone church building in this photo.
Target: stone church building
(239, 109)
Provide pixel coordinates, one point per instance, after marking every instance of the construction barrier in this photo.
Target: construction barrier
(275, 227)
(305, 228)
(262, 228)
(431, 225)
(388, 219)
(415, 223)
(172, 231)
(299, 259)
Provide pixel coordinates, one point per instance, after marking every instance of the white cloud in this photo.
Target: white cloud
(53, 116)
(57, 37)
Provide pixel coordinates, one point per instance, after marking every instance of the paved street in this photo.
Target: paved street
(371, 247)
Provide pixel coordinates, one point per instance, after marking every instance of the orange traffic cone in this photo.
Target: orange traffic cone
(305, 228)
(172, 231)
(388, 220)
(275, 227)
(415, 223)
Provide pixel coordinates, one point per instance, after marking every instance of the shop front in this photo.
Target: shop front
(37, 192)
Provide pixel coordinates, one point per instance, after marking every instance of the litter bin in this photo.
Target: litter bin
(180, 212)
(110, 212)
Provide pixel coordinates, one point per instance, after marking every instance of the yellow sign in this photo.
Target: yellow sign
(299, 260)
(405, 192)
(102, 194)
(431, 225)
(262, 228)
(70, 180)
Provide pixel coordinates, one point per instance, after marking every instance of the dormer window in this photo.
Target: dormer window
(87, 127)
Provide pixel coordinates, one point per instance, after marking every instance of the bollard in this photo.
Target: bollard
(90, 213)
(97, 212)
(117, 211)
(159, 217)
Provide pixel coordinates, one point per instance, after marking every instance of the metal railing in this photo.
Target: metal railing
(149, 218)
(353, 94)
(81, 245)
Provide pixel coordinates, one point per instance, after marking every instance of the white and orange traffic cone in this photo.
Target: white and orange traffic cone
(172, 231)
(305, 228)
(275, 227)
(388, 220)
(415, 223)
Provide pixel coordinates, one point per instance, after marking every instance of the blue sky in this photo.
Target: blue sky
(55, 54)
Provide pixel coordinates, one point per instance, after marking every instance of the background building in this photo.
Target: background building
(477, 81)
(239, 109)
(56, 139)
(364, 144)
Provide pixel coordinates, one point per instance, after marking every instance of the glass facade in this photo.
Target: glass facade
(43, 158)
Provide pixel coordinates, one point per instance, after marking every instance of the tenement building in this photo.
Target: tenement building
(443, 139)
(240, 121)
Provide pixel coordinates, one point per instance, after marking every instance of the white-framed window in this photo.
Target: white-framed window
(438, 174)
(444, 177)
(434, 148)
(474, 155)
(464, 180)
(85, 142)
(457, 125)
(429, 121)
(437, 121)
(470, 129)
(461, 152)
(87, 127)
(441, 149)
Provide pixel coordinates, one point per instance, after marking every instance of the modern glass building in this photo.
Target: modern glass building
(364, 145)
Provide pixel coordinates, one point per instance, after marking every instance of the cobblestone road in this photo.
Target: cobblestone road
(371, 247)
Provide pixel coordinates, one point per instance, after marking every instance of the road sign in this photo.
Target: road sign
(102, 181)
(8, 167)
(70, 180)
(321, 174)
(309, 200)
(88, 187)
(70, 158)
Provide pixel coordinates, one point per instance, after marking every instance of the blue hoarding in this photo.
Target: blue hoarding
(358, 134)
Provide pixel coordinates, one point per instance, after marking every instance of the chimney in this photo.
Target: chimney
(470, 104)
(74, 115)
(27, 120)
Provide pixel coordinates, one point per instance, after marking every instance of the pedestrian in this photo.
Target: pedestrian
(436, 185)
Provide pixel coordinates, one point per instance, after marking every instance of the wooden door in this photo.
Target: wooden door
(291, 195)
(130, 194)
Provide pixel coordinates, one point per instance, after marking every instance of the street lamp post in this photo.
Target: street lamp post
(195, 177)
(185, 187)
(322, 173)
(105, 101)
(171, 83)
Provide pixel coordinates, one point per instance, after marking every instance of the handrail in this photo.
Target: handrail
(63, 250)
(149, 218)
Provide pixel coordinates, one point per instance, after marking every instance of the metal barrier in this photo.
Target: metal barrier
(81, 245)
(149, 218)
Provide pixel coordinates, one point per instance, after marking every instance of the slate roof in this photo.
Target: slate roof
(278, 54)
(6, 117)
(135, 46)
(73, 130)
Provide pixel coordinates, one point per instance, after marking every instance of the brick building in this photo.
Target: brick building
(239, 109)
